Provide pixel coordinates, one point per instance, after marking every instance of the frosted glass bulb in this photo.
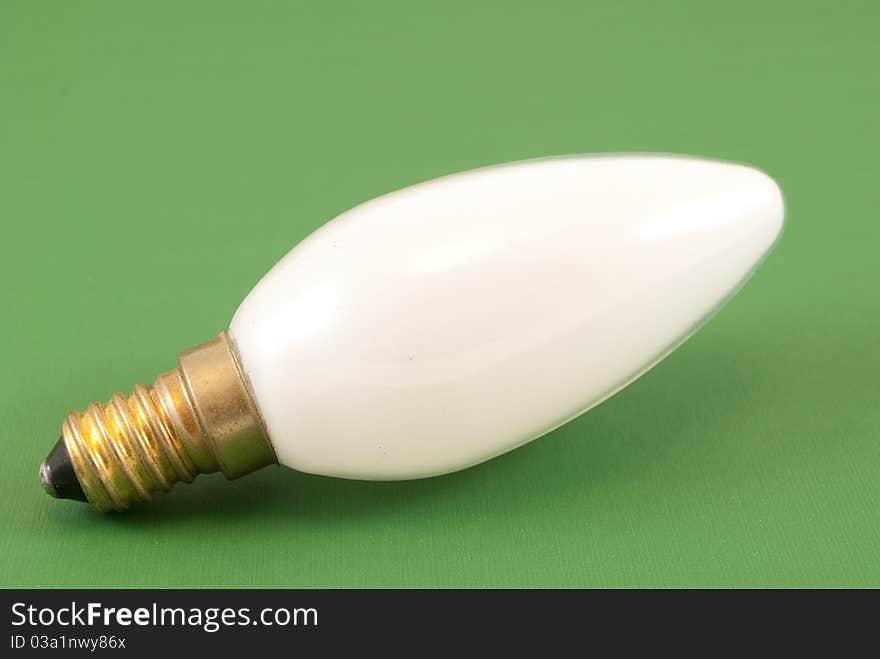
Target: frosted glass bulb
(443, 324)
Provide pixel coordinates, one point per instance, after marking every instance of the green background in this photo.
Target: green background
(157, 158)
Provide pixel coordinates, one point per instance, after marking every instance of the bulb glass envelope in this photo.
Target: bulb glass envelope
(440, 325)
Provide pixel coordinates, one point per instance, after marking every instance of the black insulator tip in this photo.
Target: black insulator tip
(58, 477)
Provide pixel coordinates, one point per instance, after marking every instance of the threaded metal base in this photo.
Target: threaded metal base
(196, 419)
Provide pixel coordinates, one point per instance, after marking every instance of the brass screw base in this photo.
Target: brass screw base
(196, 419)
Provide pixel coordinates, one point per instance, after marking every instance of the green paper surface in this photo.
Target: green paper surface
(157, 158)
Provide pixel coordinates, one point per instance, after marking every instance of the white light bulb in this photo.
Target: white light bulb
(443, 324)
(438, 326)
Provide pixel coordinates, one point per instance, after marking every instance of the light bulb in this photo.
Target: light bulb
(438, 326)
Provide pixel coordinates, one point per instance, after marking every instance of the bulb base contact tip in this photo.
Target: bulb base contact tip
(198, 418)
(58, 477)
